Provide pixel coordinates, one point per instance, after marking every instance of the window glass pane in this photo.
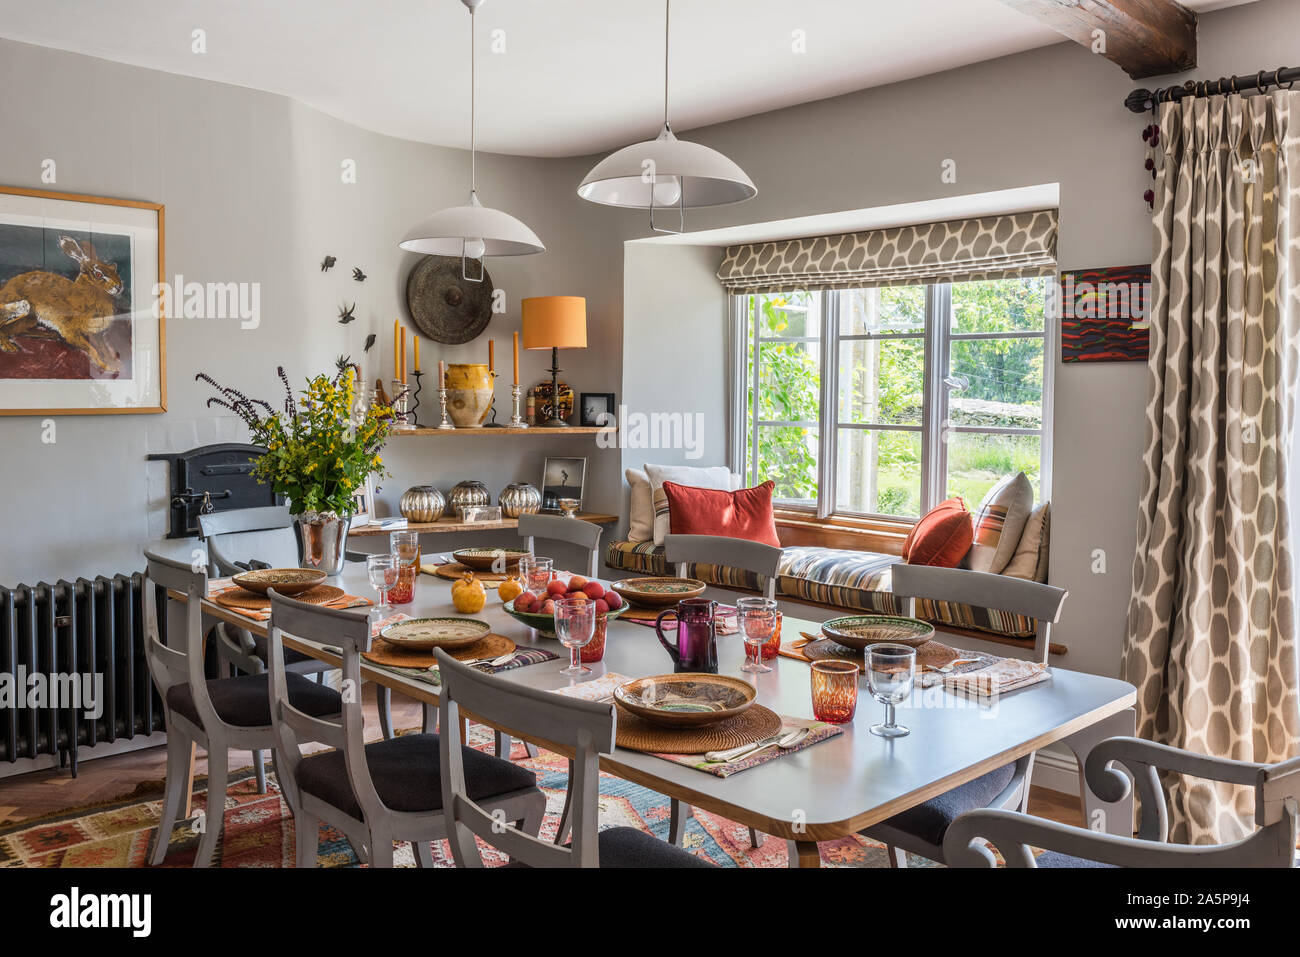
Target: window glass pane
(882, 381)
(788, 456)
(789, 381)
(998, 305)
(977, 462)
(883, 309)
(788, 315)
(999, 383)
(878, 472)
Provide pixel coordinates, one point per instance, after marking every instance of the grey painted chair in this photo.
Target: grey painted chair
(922, 829)
(573, 531)
(218, 714)
(584, 727)
(1273, 844)
(380, 792)
(755, 557)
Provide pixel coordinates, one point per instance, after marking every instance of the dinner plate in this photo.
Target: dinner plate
(686, 700)
(860, 631)
(421, 634)
(658, 592)
(484, 559)
(286, 581)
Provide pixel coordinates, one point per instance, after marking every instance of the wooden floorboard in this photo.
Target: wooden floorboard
(108, 779)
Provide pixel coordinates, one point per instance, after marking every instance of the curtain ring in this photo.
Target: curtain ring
(1233, 81)
(1261, 84)
(1277, 78)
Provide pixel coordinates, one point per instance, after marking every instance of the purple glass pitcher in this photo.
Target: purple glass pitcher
(697, 643)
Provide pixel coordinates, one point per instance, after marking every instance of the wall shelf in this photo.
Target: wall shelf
(454, 525)
(532, 430)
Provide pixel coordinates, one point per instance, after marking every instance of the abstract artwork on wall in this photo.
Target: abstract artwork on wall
(81, 325)
(1105, 314)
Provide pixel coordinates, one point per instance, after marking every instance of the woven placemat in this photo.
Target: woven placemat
(454, 571)
(238, 598)
(386, 653)
(634, 613)
(752, 724)
(932, 654)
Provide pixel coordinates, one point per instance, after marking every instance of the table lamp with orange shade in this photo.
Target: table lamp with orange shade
(555, 323)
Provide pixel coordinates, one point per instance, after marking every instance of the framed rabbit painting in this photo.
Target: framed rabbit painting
(81, 327)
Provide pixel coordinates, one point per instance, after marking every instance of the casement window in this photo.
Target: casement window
(884, 400)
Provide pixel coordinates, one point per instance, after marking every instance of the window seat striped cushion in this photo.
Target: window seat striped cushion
(854, 581)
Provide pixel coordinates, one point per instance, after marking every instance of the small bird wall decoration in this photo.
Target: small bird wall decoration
(347, 313)
(357, 274)
(327, 263)
(370, 341)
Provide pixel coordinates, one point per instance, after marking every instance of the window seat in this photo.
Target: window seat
(840, 579)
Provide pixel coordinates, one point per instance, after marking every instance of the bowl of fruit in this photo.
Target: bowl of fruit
(539, 613)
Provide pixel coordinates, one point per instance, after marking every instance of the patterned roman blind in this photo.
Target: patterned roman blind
(994, 247)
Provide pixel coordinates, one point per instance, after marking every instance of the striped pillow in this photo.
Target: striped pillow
(999, 523)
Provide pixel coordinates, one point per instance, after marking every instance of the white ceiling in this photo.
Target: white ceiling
(576, 76)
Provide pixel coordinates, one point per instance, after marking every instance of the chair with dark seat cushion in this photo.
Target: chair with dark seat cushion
(406, 773)
(921, 829)
(217, 714)
(971, 838)
(246, 699)
(584, 727)
(376, 793)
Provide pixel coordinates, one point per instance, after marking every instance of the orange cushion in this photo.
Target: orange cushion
(942, 537)
(745, 513)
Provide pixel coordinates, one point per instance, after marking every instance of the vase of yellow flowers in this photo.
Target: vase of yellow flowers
(320, 449)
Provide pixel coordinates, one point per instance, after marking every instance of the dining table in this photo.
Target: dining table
(825, 792)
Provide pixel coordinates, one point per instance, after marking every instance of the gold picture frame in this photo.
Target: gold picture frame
(94, 267)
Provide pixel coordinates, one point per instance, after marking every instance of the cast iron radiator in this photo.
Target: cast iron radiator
(64, 632)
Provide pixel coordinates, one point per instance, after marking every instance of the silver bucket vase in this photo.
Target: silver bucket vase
(322, 541)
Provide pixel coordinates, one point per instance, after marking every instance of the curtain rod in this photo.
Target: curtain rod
(1139, 101)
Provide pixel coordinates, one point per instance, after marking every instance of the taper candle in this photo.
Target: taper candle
(516, 338)
(402, 375)
(442, 374)
(492, 355)
(397, 350)
(416, 337)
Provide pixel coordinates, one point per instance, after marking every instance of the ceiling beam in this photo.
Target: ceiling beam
(1144, 37)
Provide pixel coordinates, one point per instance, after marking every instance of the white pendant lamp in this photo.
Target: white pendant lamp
(471, 231)
(666, 173)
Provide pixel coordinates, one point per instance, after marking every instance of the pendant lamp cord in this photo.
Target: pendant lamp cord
(668, 4)
(473, 172)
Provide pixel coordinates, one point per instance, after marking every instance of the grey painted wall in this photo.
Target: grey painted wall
(253, 191)
(1053, 115)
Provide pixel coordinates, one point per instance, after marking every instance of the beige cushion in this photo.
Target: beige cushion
(717, 477)
(641, 510)
(999, 523)
(1030, 559)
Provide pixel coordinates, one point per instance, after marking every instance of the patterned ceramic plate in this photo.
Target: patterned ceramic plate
(859, 631)
(286, 581)
(658, 592)
(686, 700)
(421, 634)
(483, 558)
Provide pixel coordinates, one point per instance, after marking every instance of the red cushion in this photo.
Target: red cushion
(745, 513)
(942, 537)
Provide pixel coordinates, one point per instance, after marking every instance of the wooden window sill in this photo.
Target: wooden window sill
(855, 534)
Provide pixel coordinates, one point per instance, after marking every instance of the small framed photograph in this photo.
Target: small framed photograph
(597, 408)
(562, 478)
(363, 503)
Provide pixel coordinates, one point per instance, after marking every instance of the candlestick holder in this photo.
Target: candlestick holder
(442, 405)
(516, 399)
(401, 398)
(415, 399)
(494, 424)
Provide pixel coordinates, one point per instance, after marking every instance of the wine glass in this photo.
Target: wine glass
(535, 574)
(757, 620)
(382, 572)
(891, 673)
(575, 624)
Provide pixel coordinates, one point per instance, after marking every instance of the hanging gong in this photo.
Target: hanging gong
(444, 305)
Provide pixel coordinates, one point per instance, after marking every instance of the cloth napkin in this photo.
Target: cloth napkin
(821, 731)
(521, 659)
(724, 619)
(1007, 674)
(596, 688)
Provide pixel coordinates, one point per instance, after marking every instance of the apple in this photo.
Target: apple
(556, 588)
(601, 606)
(526, 602)
(614, 600)
(594, 590)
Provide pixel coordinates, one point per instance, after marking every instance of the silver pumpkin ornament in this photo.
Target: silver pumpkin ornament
(422, 503)
(519, 498)
(467, 494)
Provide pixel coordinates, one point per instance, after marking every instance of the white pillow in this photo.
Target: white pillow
(641, 510)
(718, 477)
(1030, 559)
(999, 523)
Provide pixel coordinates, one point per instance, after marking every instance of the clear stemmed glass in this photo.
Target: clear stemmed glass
(382, 572)
(575, 624)
(757, 620)
(535, 574)
(404, 545)
(891, 673)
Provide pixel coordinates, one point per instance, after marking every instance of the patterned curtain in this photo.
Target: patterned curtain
(994, 247)
(1211, 642)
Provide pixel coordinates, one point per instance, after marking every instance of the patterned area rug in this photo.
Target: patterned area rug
(260, 833)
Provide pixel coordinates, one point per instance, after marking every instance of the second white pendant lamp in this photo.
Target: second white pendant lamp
(471, 231)
(666, 173)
